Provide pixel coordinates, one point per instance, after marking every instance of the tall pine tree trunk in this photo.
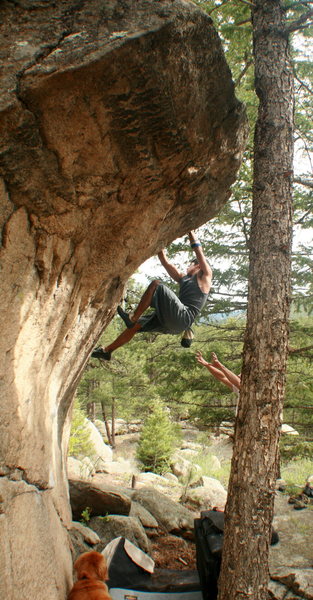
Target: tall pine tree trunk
(91, 411)
(106, 423)
(250, 502)
(113, 423)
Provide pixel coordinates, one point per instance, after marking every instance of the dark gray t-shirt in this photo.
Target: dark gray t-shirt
(173, 314)
(191, 295)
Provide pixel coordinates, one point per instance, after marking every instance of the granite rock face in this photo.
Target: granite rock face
(119, 131)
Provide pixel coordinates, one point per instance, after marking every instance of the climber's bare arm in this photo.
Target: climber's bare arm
(206, 271)
(170, 268)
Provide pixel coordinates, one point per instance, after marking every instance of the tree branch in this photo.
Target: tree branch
(244, 224)
(296, 5)
(217, 7)
(293, 406)
(302, 84)
(305, 182)
(306, 214)
(243, 72)
(301, 22)
(307, 150)
(237, 24)
(300, 350)
(246, 2)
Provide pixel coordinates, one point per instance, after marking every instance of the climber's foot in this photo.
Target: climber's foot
(129, 324)
(101, 354)
(214, 359)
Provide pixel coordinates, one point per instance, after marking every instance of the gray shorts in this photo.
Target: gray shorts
(170, 316)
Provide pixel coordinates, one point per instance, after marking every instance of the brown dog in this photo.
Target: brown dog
(91, 570)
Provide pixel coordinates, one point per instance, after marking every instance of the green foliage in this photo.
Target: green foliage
(86, 515)
(105, 518)
(228, 234)
(80, 444)
(157, 442)
(298, 409)
(296, 472)
(209, 468)
(155, 369)
(293, 447)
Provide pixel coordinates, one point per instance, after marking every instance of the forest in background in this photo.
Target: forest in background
(155, 367)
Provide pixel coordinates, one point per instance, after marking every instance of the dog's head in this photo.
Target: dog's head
(91, 565)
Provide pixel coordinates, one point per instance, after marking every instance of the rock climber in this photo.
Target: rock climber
(172, 314)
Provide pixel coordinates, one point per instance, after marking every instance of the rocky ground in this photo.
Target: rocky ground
(156, 520)
(170, 553)
(295, 527)
(167, 552)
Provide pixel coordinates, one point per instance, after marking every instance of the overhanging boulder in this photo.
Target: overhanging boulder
(119, 131)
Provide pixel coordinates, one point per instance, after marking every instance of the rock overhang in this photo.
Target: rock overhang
(120, 131)
(143, 117)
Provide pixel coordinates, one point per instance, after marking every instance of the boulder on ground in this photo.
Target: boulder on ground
(112, 526)
(207, 496)
(295, 536)
(170, 515)
(98, 498)
(280, 485)
(298, 581)
(171, 478)
(120, 467)
(78, 544)
(80, 469)
(101, 428)
(187, 445)
(288, 430)
(308, 488)
(104, 453)
(171, 488)
(143, 515)
(90, 536)
(184, 469)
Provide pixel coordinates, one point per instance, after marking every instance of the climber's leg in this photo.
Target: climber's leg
(121, 340)
(145, 302)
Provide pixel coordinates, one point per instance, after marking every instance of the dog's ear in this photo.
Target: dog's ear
(102, 568)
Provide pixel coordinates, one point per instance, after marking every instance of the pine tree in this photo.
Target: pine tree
(228, 235)
(255, 455)
(80, 444)
(157, 441)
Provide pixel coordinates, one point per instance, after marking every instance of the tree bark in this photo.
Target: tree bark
(249, 509)
(91, 411)
(113, 423)
(107, 427)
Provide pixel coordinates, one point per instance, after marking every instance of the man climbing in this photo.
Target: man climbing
(172, 314)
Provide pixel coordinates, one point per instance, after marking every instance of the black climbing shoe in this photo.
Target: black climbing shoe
(101, 354)
(129, 324)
